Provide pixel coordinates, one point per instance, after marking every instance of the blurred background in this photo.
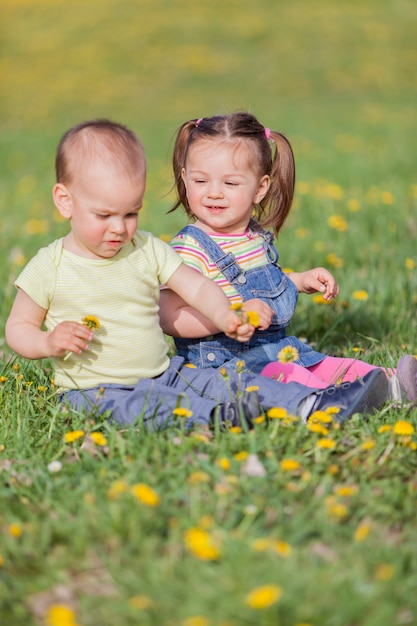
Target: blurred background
(338, 78)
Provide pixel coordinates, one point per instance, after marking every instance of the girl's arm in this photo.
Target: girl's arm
(208, 299)
(178, 319)
(25, 336)
(317, 279)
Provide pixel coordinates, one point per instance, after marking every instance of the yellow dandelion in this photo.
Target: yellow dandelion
(196, 620)
(240, 366)
(61, 615)
(403, 427)
(140, 602)
(260, 545)
(145, 494)
(263, 597)
(99, 439)
(235, 430)
(333, 469)
(3, 379)
(337, 222)
(277, 412)
(252, 388)
(326, 443)
(206, 521)
(282, 548)
(301, 233)
(190, 365)
(236, 306)
(384, 572)
(360, 294)
(353, 205)
(290, 465)
(253, 318)
(1, 561)
(15, 530)
(201, 544)
(195, 478)
(258, 420)
(345, 491)
(409, 264)
(337, 510)
(387, 197)
(73, 435)
(334, 260)
(91, 321)
(323, 417)
(362, 531)
(182, 412)
(241, 456)
(368, 445)
(288, 354)
(116, 489)
(224, 463)
(385, 428)
(315, 427)
(318, 299)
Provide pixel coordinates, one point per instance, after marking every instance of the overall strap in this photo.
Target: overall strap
(270, 250)
(225, 262)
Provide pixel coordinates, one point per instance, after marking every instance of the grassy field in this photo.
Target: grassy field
(285, 525)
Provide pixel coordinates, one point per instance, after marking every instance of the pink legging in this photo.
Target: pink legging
(328, 372)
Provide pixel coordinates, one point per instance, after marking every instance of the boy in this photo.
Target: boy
(106, 271)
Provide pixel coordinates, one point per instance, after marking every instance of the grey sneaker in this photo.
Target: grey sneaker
(246, 408)
(407, 377)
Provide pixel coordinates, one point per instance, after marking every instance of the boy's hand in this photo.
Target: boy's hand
(236, 329)
(69, 337)
(317, 279)
(264, 312)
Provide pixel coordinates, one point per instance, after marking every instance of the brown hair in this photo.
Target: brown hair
(104, 138)
(272, 156)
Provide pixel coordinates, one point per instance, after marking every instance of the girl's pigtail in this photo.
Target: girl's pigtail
(281, 192)
(178, 160)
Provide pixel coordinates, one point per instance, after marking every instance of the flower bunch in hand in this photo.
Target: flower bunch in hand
(246, 317)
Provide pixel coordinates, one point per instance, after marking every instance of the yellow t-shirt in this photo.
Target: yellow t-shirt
(122, 292)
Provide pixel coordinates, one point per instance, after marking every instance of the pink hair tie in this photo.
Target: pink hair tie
(200, 119)
(267, 132)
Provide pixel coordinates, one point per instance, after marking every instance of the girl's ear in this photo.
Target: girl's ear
(62, 200)
(263, 187)
(183, 175)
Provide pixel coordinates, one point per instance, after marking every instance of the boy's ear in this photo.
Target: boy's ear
(263, 187)
(62, 200)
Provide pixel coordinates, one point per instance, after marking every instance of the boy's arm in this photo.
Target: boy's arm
(179, 319)
(25, 336)
(203, 294)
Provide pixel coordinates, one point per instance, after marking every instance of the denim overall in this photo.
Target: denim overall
(267, 282)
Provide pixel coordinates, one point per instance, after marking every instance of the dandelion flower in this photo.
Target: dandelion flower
(337, 222)
(91, 321)
(253, 318)
(290, 465)
(402, 427)
(345, 490)
(54, 467)
(182, 412)
(140, 602)
(196, 620)
(145, 494)
(224, 463)
(326, 443)
(263, 597)
(384, 571)
(73, 435)
(288, 354)
(15, 530)
(61, 615)
(201, 544)
(360, 294)
(362, 531)
(99, 439)
(277, 412)
(282, 548)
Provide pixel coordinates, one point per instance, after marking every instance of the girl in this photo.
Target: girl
(235, 178)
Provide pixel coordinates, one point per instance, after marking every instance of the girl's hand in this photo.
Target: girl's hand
(262, 309)
(69, 337)
(316, 280)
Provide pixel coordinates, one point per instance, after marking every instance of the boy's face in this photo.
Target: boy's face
(102, 205)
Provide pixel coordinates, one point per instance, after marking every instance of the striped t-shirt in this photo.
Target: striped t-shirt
(248, 250)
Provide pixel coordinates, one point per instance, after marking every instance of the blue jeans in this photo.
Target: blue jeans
(200, 390)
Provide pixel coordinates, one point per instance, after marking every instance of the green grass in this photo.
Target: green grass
(339, 80)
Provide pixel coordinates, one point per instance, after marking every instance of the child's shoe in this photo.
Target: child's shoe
(364, 395)
(407, 378)
(245, 409)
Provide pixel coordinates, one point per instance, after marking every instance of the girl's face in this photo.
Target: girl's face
(222, 186)
(102, 206)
